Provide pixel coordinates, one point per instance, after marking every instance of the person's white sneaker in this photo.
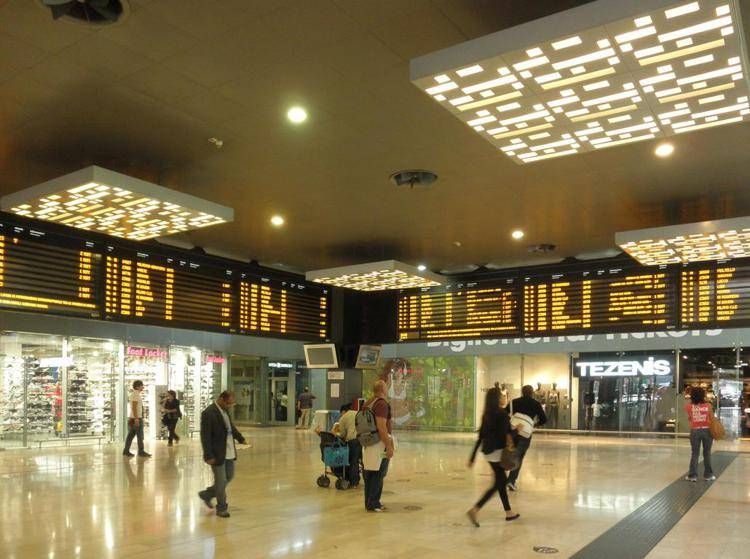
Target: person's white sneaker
(512, 487)
(691, 478)
(709, 478)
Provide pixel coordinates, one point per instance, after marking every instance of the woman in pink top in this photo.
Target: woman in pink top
(699, 414)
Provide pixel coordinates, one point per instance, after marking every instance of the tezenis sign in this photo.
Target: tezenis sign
(649, 367)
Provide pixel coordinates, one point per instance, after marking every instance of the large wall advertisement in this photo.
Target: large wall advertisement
(429, 393)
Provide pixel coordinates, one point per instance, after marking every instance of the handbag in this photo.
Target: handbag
(717, 429)
(509, 459)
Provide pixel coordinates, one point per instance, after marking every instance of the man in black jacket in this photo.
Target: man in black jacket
(218, 434)
(533, 412)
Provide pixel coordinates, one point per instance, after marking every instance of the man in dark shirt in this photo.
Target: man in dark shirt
(218, 434)
(527, 412)
(304, 405)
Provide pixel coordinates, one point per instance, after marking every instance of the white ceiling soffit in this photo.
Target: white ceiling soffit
(691, 242)
(376, 276)
(175, 242)
(104, 201)
(599, 254)
(525, 263)
(604, 74)
(463, 269)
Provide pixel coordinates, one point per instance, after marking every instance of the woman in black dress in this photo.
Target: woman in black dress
(171, 411)
(494, 436)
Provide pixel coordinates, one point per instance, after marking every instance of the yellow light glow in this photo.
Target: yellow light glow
(695, 242)
(377, 276)
(107, 208)
(631, 68)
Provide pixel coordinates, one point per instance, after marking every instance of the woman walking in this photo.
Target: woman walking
(171, 411)
(699, 415)
(494, 436)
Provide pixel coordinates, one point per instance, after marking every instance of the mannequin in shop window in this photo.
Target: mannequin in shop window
(553, 405)
(540, 395)
(588, 406)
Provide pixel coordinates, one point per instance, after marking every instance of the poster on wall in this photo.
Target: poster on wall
(435, 393)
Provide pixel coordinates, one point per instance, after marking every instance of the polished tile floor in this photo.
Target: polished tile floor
(91, 502)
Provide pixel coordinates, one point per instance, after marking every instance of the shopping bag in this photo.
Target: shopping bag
(717, 429)
(509, 459)
(336, 456)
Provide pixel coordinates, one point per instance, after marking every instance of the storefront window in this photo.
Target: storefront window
(744, 373)
(90, 396)
(549, 374)
(720, 374)
(502, 371)
(626, 391)
(246, 381)
(151, 365)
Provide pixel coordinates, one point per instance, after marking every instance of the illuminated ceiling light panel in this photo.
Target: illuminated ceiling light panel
(692, 242)
(596, 76)
(376, 276)
(103, 201)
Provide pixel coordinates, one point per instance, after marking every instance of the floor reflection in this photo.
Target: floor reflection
(95, 503)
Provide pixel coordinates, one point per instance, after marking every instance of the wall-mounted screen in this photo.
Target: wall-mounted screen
(368, 357)
(321, 356)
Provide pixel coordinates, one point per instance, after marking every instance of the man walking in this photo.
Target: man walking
(375, 457)
(527, 412)
(304, 405)
(218, 434)
(135, 421)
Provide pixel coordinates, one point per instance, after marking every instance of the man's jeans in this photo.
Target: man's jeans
(134, 431)
(222, 476)
(698, 437)
(522, 446)
(374, 485)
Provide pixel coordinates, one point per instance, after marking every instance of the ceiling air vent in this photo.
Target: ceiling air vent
(412, 178)
(543, 248)
(90, 12)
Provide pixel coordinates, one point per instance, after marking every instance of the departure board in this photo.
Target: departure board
(40, 277)
(570, 303)
(285, 309)
(471, 312)
(716, 294)
(53, 272)
(166, 292)
(609, 303)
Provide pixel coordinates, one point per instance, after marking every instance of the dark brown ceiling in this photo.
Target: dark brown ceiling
(143, 97)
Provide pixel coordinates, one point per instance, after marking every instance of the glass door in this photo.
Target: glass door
(727, 396)
(245, 379)
(279, 411)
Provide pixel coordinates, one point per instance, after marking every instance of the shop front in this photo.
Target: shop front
(599, 384)
(61, 385)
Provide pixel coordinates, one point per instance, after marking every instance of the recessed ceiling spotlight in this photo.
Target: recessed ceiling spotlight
(277, 221)
(421, 267)
(297, 115)
(517, 234)
(665, 149)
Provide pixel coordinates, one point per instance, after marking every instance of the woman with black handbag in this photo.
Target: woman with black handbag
(171, 413)
(497, 446)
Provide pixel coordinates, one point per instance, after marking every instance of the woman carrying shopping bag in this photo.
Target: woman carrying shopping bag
(497, 446)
